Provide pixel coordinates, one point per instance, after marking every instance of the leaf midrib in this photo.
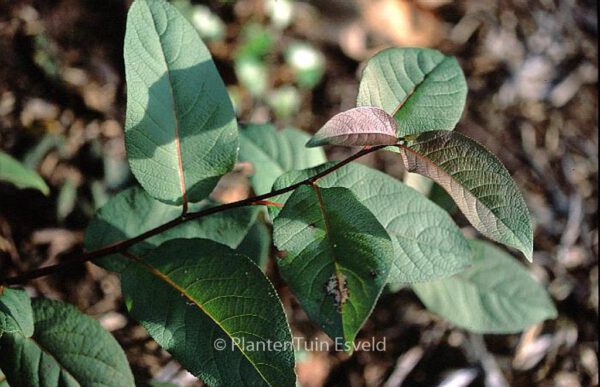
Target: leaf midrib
(163, 277)
(47, 352)
(416, 87)
(329, 237)
(175, 118)
(428, 160)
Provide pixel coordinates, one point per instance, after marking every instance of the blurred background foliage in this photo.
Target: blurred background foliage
(532, 70)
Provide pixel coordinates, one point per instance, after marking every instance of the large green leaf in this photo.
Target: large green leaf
(337, 259)
(496, 295)
(194, 294)
(422, 88)
(273, 152)
(12, 171)
(67, 348)
(427, 243)
(180, 131)
(16, 315)
(132, 212)
(477, 181)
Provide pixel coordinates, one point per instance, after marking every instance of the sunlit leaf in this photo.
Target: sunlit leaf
(180, 129)
(422, 88)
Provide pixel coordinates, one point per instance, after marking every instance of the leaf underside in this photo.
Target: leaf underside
(356, 127)
(203, 292)
(477, 181)
(421, 88)
(180, 129)
(337, 257)
(496, 295)
(16, 315)
(427, 243)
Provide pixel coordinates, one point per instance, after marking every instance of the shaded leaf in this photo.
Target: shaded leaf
(180, 130)
(421, 88)
(67, 348)
(427, 243)
(133, 212)
(273, 152)
(12, 171)
(203, 293)
(477, 181)
(496, 295)
(337, 257)
(257, 244)
(16, 315)
(355, 127)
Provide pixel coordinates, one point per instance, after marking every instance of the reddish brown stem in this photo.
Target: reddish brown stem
(121, 246)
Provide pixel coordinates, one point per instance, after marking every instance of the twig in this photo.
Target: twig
(125, 244)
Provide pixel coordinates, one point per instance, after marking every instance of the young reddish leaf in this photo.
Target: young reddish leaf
(357, 127)
(479, 184)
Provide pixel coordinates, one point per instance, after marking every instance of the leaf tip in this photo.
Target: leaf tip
(527, 250)
(313, 142)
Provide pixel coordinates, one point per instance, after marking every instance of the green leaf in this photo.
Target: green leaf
(67, 348)
(274, 152)
(423, 89)
(477, 181)
(192, 294)
(3, 382)
(338, 257)
(180, 131)
(257, 244)
(427, 243)
(496, 295)
(16, 315)
(355, 127)
(12, 171)
(133, 212)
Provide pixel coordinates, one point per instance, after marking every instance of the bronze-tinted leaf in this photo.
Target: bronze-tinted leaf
(357, 127)
(477, 181)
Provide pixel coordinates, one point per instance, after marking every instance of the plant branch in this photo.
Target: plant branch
(122, 246)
